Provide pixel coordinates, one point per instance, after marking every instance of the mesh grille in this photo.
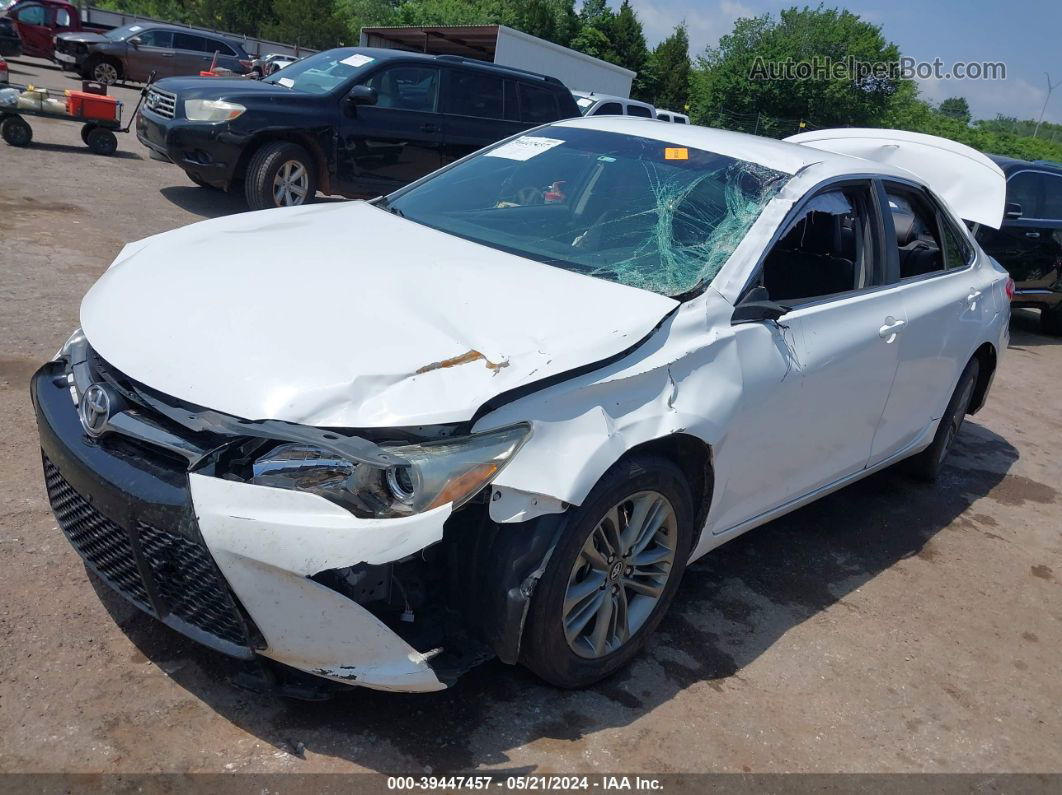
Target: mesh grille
(183, 576)
(96, 538)
(188, 584)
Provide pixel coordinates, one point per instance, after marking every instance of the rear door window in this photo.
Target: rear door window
(537, 105)
(157, 38)
(186, 41)
(638, 110)
(609, 109)
(475, 93)
(918, 236)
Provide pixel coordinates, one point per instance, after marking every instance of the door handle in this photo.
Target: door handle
(429, 128)
(974, 295)
(891, 328)
(167, 55)
(1033, 235)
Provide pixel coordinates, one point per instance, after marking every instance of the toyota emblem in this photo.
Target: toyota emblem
(95, 410)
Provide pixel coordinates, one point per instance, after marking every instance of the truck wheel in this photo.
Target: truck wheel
(612, 575)
(16, 131)
(101, 141)
(106, 71)
(281, 174)
(1051, 321)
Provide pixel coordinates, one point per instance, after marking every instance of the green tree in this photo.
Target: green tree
(956, 108)
(734, 77)
(670, 63)
(307, 23)
(628, 43)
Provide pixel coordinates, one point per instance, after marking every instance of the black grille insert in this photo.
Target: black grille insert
(182, 581)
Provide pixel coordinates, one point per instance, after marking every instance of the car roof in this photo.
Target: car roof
(384, 54)
(781, 156)
(1012, 164)
(181, 29)
(610, 98)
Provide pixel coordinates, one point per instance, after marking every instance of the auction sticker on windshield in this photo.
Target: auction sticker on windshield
(525, 147)
(357, 59)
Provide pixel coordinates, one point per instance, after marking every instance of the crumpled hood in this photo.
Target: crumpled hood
(345, 315)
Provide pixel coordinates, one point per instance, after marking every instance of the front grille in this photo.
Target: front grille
(160, 102)
(178, 578)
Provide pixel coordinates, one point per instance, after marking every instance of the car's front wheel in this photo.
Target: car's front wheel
(613, 574)
(281, 174)
(104, 70)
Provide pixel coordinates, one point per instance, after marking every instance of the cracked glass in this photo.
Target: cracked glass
(637, 211)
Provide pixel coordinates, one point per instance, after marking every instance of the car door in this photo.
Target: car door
(813, 385)
(1029, 246)
(474, 115)
(397, 140)
(947, 303)
(189, 54)
(150, 51)
(34, 28)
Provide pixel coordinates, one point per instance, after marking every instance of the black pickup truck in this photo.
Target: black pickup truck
(357, 122)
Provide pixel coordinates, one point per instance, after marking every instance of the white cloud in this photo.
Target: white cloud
(704, 24)
(1011, 97)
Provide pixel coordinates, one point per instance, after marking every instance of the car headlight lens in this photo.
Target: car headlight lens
(212, 110)
(429, 475)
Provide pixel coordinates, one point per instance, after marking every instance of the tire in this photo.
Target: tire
(85, 130)
(101, 141)
(16, 131)
(265, 174)
(565, 648)
(928, 464)
(104, 70)
(1051, 321)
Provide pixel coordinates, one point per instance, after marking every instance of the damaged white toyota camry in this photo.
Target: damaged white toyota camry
(497, 412)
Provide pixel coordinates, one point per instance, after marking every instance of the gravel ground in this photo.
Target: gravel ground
(889, 627)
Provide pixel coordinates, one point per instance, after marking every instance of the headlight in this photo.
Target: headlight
(429, 475)
(212, 110)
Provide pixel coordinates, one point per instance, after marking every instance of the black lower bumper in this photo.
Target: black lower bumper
(203, 150)
(128, 512)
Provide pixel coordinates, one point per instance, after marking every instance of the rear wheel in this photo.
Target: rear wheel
(16, 131)
(1051, 321)
(85, 130)
(613, 574)
(281, 174)
(101, 141)
(928, 464)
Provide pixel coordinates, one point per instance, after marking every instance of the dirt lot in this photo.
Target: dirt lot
(889, 627)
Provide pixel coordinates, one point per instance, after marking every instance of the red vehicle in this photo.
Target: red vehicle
(39, 21)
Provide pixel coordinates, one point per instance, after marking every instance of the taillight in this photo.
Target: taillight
(1008, 288)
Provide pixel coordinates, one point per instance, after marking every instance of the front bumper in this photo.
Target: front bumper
(226, 563)
(203, 150)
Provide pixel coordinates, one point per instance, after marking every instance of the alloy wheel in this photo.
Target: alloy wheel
(291, 184)
(105, 73)
(620, 574)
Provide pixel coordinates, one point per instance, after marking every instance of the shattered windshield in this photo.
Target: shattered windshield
(641, 212)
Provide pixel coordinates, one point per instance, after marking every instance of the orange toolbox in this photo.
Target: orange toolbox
(92, 106)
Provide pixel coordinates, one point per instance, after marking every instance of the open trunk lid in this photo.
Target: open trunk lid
(967, 180)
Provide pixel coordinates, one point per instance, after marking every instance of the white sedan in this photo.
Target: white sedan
(499, 411)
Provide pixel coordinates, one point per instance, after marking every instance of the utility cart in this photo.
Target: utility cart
(99, 115)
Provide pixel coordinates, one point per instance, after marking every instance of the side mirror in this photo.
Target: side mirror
(757, 307)
(136, 41)
(1012, 210)
(362, 95)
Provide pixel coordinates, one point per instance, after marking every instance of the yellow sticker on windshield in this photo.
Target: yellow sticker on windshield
(676, 153)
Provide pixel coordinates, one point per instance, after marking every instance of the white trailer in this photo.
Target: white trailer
(507, 47)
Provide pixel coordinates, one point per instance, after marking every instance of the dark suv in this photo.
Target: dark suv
(357, 122)
(1029, 244)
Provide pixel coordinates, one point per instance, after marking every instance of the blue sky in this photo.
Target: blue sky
(1025, 34)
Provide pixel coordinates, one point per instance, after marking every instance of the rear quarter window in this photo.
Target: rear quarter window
(609, 109)
(638, 110)
(537, 104)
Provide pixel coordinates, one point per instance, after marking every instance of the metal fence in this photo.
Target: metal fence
(254, 46)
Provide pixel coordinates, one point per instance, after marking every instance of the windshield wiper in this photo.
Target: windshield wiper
(383, 204)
